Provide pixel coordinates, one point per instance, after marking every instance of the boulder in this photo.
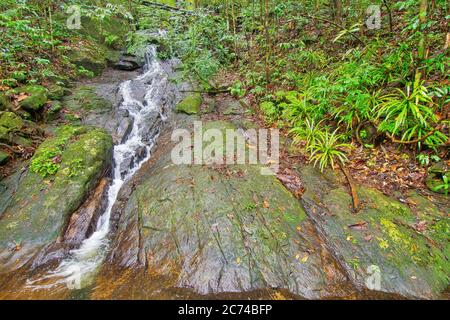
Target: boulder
(56, 92)
(85, 99)
(36, 99)
(63, 171)
(435, 178)
(190, 105)
(5, 102)
(53, 111)
(10, 123)
(127, 63)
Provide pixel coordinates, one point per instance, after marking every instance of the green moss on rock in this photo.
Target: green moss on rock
(190, 105)
(91, 57)
(56, 92)
(11, 121)
(40, 206)
(9, 124)
(37, 97)
(414, 262)
(5, 102)
(85, 99)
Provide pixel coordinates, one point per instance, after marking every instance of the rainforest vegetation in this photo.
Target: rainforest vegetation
(91, 90)
(331, 74)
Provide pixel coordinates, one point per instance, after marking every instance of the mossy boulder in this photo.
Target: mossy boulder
(4, 157)
(190, 105)
(10, 123)
(85, 99)
(56, 92)
(405, 248)
(5, 102)
(37, 97)
(110, 31)
(435, 178)
(89, 57)
(53, 110)
(63, 171)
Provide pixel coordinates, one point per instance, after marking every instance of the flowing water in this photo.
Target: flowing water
(144, 101)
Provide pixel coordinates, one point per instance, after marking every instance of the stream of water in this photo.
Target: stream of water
(142, 101)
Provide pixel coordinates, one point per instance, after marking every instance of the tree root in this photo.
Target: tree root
(353, 192)
(10, 148)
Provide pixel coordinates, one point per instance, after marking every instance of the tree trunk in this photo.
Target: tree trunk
(267, 36)
(422, 20)
(337, 6)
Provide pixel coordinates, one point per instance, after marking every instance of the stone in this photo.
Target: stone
(209, 231)
(435, 180)
(190, 105)
(57, 92)
(234, 108)
(126, 65)
(5, 102)
(44, 198)
(85, 98)
(36, 99)
(53, 110)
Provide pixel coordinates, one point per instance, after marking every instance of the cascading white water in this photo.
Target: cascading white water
(129, 155)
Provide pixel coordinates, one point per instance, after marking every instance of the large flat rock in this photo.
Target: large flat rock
(212, 230)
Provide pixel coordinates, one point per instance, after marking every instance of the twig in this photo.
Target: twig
(164, 7)
(388, 7)
(212, 92)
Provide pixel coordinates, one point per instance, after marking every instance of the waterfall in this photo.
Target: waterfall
(147, 114)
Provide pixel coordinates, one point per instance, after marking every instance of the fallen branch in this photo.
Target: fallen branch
(438, 128)
(353, 192)
(165, 7)
(212, 92)
(334, 24)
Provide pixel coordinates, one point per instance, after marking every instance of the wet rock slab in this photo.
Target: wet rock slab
(387, 246)
(213, 230)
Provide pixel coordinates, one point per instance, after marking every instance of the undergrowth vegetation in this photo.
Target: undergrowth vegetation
(36, 38)
(325, 73)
